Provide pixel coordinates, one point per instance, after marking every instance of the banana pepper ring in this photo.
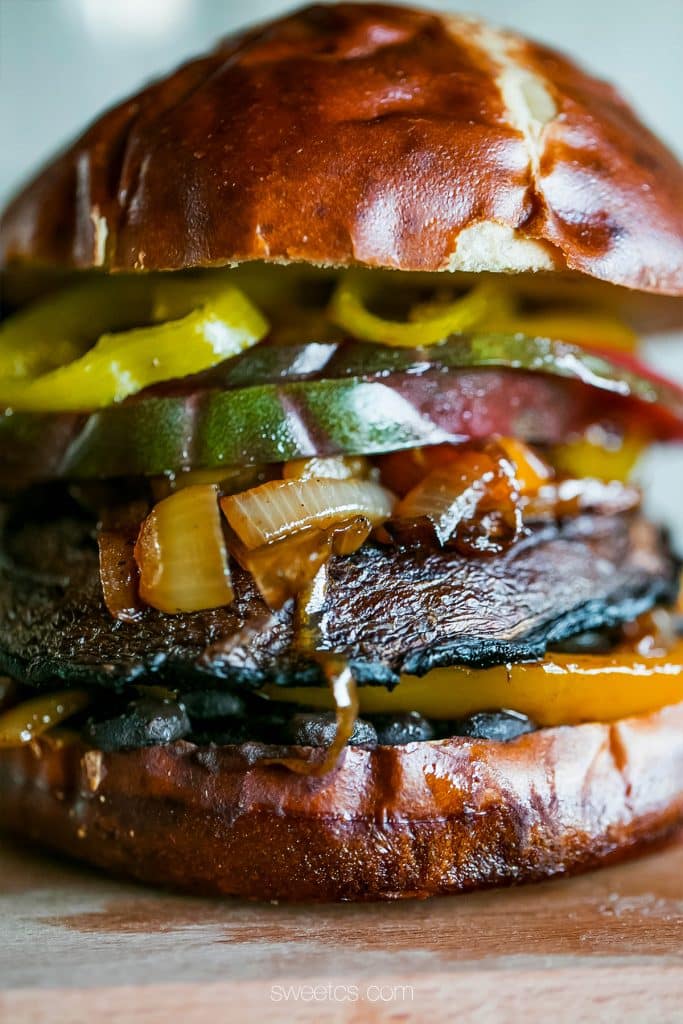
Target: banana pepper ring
(490, 305)
(429, 326)
(194, 325)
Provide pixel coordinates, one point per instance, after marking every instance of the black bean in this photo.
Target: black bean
(204, 705)
(493, 725)
(225, 732)
(410, 727)
(147, 722)
(363, 735)
(259, 727)
(274, 726)
(318, 729)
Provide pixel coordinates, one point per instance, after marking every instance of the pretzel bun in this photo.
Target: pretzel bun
(391, 822)
(367, 134)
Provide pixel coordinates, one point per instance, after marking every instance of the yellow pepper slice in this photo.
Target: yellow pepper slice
(596, 328)
(490, 305)
(595, 455)
(429, 325)
(61, 326)
(32, 718)
(562, 689)
(565, 315)
(194, 325)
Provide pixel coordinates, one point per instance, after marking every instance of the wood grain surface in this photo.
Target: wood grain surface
(80, 947)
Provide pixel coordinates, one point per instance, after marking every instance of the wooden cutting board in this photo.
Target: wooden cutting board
(80, 947)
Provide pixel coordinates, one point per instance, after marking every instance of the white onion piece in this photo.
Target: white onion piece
(181, 553)
(282, 507)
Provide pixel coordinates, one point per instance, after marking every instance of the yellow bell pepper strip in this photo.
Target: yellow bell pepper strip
(593, 328)
(194, 325)
(32, 718)
(430, 324)
(590, 323)
(594, 454)
(561, 689)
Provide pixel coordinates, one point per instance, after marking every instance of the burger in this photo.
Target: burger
(323, 572)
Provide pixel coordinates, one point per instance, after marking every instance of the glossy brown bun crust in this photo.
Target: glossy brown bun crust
(365, 134)
(414, 820)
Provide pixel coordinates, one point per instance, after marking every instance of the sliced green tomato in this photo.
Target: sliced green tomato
(354, 399)
(430, 325)
(562, 689)
(220, 324)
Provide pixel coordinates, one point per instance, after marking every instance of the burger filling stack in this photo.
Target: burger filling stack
(323, 570)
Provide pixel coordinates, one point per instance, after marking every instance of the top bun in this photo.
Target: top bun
(372, 135)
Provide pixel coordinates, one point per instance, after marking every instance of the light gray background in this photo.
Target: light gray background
(62, 61)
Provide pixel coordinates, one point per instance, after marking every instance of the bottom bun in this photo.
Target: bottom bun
(415, 820)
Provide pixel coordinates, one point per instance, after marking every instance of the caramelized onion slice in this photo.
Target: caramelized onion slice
(285, 568)
(118, 528)
(472, 504)
(401, 471)
(7, 691)
(349, 535)
(344, 696)
(181, 553)
(32, 718)
(282, 507)
(531, 471)
(119, 574)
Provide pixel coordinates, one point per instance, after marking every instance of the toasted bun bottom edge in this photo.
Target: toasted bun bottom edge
(405, 821)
